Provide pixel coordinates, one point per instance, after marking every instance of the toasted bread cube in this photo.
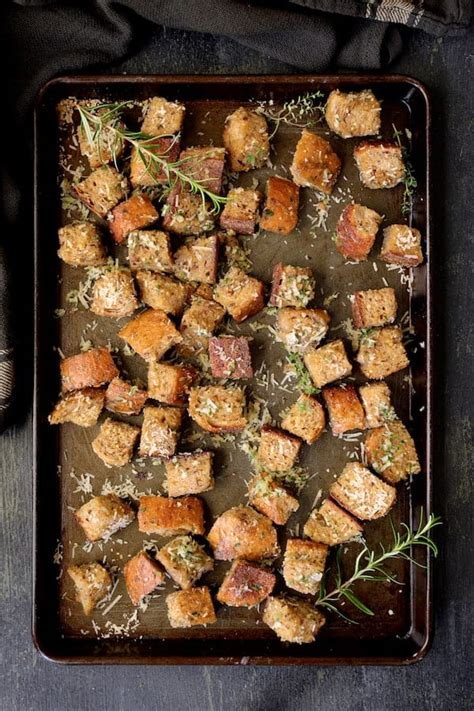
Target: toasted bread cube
(185, 561)
(298, 329)
(291, 286)
(199, 321)
(245, 585)
(113, 294)
(377, 404)
(150, 334)
(241, 532)
(93, 583)
(170, 383)
(163, 293)
(305, 419)
(102, 516)
(280, 212)
(189, 473)
(240, 294)
(145, 170)
(380, 164)
(293, 620)
(217, 408)
(104, 148)
(241, 210)
(331, 525)
(162, 117)
(187, 608)
(391, 452)
(80, 245)
(356, 113)
(133, 214)
(345, 409)
(278, 450)
(381, 353)
(230, 357)
(246, 139)
(171, 517)
(198, 260)
(142, 575)
(315, 164)
(81, 407)
(150, 250)
(115, 442)
(327, 363)
(205, 165)
(356, 231)
(102, 190)
(160, 431)
(303, 565)
(402, 245)
(185, 213)
(362, 493)
(272, 499)
(374, 307)
(123, 398)
(87, 370)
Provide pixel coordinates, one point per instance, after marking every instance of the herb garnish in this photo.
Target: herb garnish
(409, 181)
(304, 382)
(302, 112)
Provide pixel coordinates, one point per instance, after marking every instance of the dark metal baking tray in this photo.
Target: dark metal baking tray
(400, 631)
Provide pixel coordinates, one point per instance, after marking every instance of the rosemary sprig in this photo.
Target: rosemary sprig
(370, 565)
(409, 181)
(304, 382)
(304, 111)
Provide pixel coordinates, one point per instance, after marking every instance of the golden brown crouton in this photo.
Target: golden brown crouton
(356, 231)
(293, 620)
(185, 561)
(327, 363)
(305, 419)
(199, 321)
(163, 293)
(245, 585)
(170, 383)
(187, 608)
(377, 405)
(280, 212)
(150, 250)
(246, 139)
(391, 452)
(298, 329)
(102, 516)
(87, 370)
(303, 565)
(381, 353)
(80, 245)
(150, 334)
(402, 245)
(171, 517)
(133, 214)
(240, 294)
(113, 294)
(162, 117)
(205, 165)
(278, 450)
(142, 575)
(81, 407)
(189, 473)
(102, 190)
(315, 164)
(331, 525)
(93, 583)
(198, 260)
(145, 169)
(362, 493)
(185, 213)
(271, 498)
(217, 408)
(160, 431)
(104, 148)
(241, 532)
(230, 357)
(380, 164)
(345, 410)
(374, 307)
(291, 286)
(240, 211)
(356, 113)
(123, 398)
(115, 442)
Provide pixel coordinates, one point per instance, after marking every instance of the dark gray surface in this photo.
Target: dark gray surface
(443, 679)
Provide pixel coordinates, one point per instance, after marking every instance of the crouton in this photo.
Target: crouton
(162, 117)
(278, 450)
(123, 398)
(115, 442)
(87, 370)
(241, 532)
(271, 498)
(315, 164)
(102, 516)
(245, 585)
(291, 286)
(170, 383)
(235, 253)
(198, 260)
(374, 307)
(298, 329)
(145, 170)
(160, 431)
(377, 405)
(280, 212)
(240, 294)
(391, 452)
(189, 473)
(185, 213)
(92, 582)
(356, 113)
(381, 353)
(163, 293)
(150, 334)
(362, 493)
(205, 165)
(105, 147)
(199, 321)
(380, 164)
(142, 575)
(303, 565)
(345, 410)
(187, 608)
(81, 407)
(102, 190)
(327, 363)
(305, 419)
(241, 210)
(293, 620)
(331, 525)
(150, 250)
(217, 408)
(80, 245)
(230, 357)
(185, 561)
(171, 517)
(133, 214)
(246, 140)
(401, 245)
(356, 231)
(113, 294)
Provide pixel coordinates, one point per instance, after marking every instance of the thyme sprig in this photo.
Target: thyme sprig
(409, 181)
(304, 382)
(304, 111)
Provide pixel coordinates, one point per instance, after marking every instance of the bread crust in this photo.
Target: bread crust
(142, 575)
(102, 516)
(80, 407)
(241, 532)
(132, 214)
(241, 211)
(305, 419)
(187, 608)
(402, 245)
(90, 369)
(123, 398)
(245, 585)
(230, 357)
(217, 408)
(151, 334)
(391, 452)
(356, 231)
(171, 517)
(170, 383)
(280, 212)
(315, 164)
(345, 409)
